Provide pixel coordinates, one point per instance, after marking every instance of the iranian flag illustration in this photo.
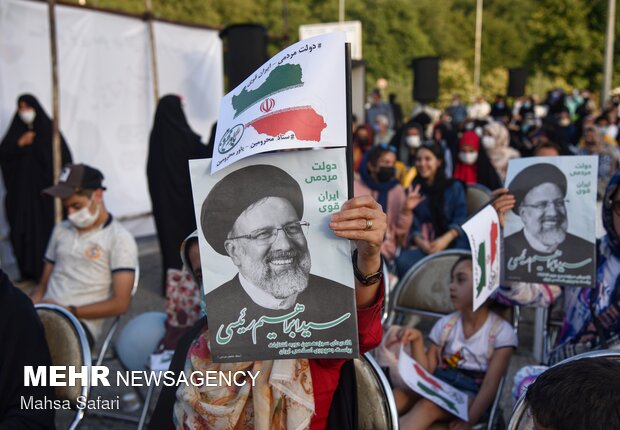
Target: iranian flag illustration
(482, 231)
(428, 386)
(297, 99)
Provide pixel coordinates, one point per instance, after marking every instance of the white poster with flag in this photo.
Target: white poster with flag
(482, 231)
(297, 99)
(426, 385)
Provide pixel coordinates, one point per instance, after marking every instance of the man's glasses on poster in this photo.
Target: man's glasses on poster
(559, 204)
(266, 236)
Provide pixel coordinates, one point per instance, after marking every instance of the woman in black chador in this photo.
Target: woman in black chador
(172, 144)
(27, 168)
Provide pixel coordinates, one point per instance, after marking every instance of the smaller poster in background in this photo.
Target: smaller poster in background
(482, 231)
(443, 395)
(550, 234)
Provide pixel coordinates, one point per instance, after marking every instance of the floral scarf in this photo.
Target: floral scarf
(282, 397)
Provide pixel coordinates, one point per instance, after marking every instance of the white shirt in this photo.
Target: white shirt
(84, 264)
(473, 350)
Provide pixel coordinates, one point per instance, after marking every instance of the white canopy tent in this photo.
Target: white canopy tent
(105, 84)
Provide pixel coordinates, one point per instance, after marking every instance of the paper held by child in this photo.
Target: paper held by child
(431, 388)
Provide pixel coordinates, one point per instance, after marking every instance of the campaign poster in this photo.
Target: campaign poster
(297, 99)
(278, 283)
(482, 231)
(426, 385)
(550, 234)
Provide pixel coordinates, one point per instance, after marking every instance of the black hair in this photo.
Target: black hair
(377, 151)
(459, 261)
(86, 192)
(547, 144)
(435, 191)
(582, 394)
(188, 244)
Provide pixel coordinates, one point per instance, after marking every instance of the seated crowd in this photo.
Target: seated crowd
(411, 181)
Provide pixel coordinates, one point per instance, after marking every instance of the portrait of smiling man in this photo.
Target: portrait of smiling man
(544, 248)
(255, 217)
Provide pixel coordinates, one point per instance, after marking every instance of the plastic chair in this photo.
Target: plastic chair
(520, 420)
(68, 346)
(114, 327)
(376, 407)
(476, 197)
(424, 291)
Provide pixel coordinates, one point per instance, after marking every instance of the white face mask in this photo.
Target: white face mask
(27, 116)
(488, 142)
(468, 157)
(413, 141)
(83, 218)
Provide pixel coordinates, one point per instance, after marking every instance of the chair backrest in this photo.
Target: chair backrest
(521, 420)
(425, 287)
(476, 197)
(67, 343)
(376, 407)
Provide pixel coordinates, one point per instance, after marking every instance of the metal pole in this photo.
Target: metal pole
(341, 11)
(56, 154)
(477, 47)
(149, 23)
(609, 51)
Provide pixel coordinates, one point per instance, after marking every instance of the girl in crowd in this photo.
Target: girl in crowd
(437, 219)
(378, 179)
(172, 144)
(469, 350)
(496, 142)
(592, 315)
(27, 168)
(473, 166)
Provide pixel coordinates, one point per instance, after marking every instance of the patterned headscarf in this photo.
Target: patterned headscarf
(612, 237)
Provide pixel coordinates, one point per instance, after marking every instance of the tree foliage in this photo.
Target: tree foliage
(561, 41)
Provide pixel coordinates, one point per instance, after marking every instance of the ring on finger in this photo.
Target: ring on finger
(368, 225)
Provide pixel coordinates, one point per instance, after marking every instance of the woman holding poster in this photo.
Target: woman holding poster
(592, 315)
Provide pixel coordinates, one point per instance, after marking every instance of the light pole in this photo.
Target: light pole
(609, 51)
(477, 47)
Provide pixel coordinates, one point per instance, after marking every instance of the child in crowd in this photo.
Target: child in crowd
(469, 350)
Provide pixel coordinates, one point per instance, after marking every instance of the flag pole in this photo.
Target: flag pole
(149, 24)
(56, 154)
(349, 119)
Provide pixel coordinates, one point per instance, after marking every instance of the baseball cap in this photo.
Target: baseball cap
(74, 178)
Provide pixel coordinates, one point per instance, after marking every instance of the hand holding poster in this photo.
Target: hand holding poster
(483, 234)
(549, 235)
(279, 284)
(431, 388)
(297, 99)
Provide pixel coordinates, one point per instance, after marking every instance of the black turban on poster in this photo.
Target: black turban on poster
(231, 196)
(534, 175)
